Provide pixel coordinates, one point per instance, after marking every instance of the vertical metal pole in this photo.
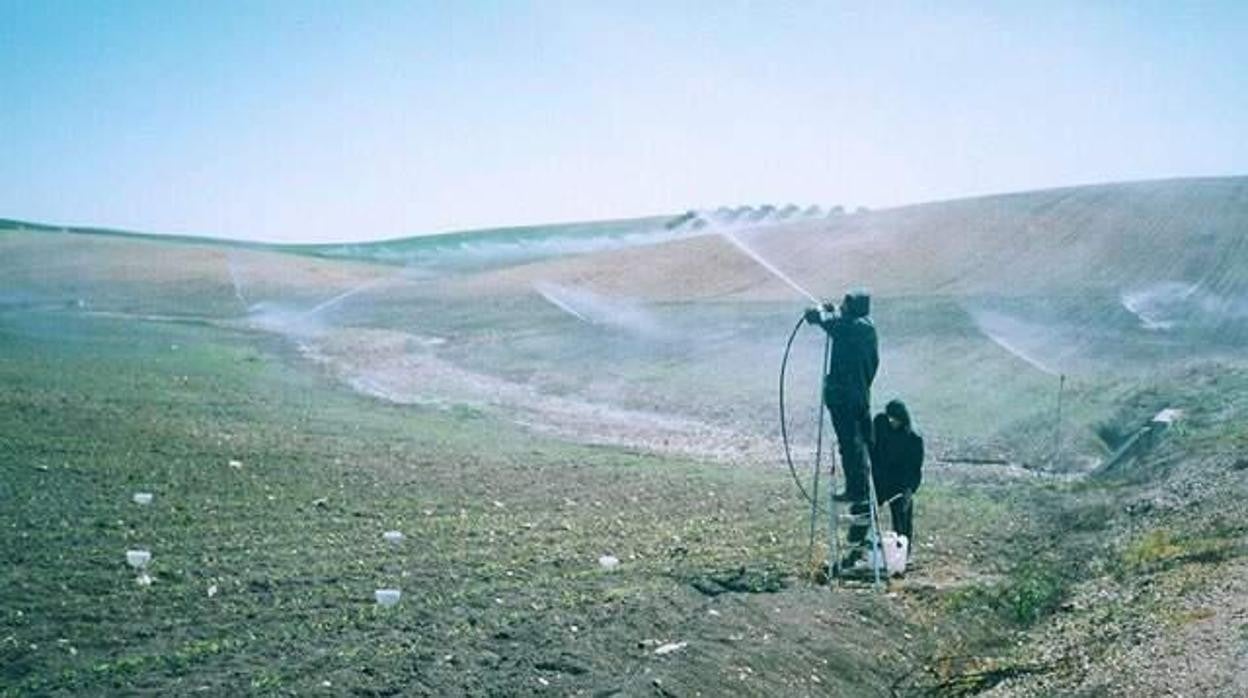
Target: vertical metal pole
(814, 494)
(814, 498)
(834, 546)
(834, 555)
(877, 542)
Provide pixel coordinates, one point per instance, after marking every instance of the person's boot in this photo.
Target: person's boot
(852, 558)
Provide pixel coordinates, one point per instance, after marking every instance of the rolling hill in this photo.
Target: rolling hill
(523, 401)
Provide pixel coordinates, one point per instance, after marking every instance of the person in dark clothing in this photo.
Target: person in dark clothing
(896, 470)
(847, 387)
(897, 465)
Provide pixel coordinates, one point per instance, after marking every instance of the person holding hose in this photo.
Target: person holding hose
(852, 367)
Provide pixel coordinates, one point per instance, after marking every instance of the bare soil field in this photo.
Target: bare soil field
(520, 419)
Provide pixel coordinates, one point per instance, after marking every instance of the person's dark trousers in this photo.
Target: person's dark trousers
(852, 424)
(902, 509)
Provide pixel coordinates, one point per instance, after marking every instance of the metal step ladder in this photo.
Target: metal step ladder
(872, 544)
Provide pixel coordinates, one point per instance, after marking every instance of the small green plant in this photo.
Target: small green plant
(1032, 590)
(1154, 548)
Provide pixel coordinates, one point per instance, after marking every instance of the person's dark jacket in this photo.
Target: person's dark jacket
(897, 453)
(855, 353)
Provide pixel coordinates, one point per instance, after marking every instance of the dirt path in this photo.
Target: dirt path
(403, 368)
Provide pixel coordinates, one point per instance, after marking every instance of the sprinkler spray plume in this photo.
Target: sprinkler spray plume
(345, 295)
(736, 242)
(232, 267)
(593, 308)
(1015, 337)
(552, 295)
(355, 290)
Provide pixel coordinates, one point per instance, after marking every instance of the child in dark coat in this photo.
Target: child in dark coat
(897, 464)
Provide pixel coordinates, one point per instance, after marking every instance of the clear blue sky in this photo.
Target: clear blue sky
(358, 120)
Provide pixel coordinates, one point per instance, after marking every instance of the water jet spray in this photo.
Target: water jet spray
(597, 309)
(547, 292)
(995, 327)
(238, 286)
(353, 291)
(346, 294)
(767, 265)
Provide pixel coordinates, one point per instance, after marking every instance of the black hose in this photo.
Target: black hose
(784, 427)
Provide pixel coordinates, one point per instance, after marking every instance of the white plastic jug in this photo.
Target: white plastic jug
(896, 552)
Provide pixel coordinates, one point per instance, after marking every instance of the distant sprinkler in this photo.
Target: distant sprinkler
(235, 281)
(551, 294)
(1004, 331)
(360, 288)
(345, 295)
